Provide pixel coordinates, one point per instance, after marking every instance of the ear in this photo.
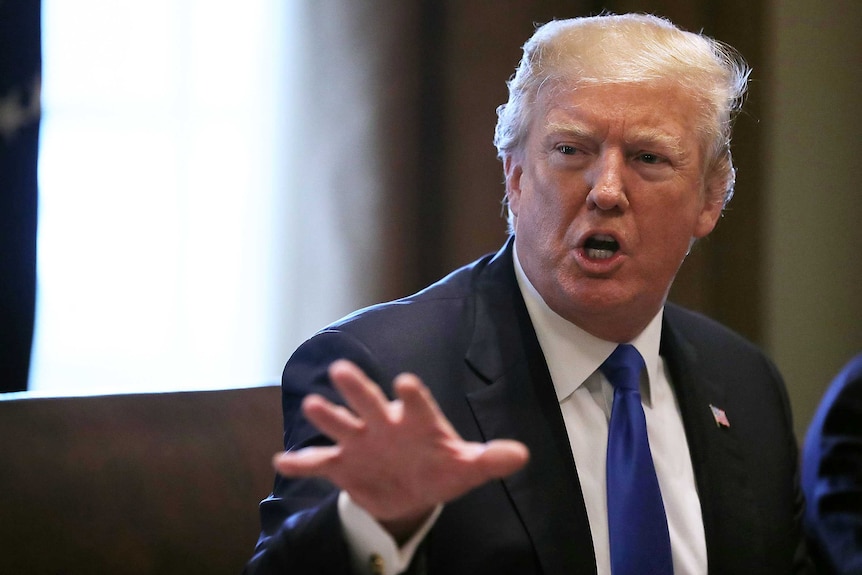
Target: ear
(713, 205)
(512, 171)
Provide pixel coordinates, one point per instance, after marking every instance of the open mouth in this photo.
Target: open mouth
(600, 247)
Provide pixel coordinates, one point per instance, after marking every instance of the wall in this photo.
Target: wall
(813, 212)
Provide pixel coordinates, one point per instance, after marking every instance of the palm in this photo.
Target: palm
(397, 459)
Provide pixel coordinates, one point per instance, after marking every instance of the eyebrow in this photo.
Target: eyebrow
(646, 136)
(657, 137)
(569, 128)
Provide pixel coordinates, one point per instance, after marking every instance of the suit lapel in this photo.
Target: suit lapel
(519, 402)
(716, 455)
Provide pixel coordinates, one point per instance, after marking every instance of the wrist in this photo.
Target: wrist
(402, 529)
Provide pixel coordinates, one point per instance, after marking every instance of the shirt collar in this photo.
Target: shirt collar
(571, 353)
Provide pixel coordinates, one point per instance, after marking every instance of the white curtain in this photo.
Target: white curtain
(195, 223)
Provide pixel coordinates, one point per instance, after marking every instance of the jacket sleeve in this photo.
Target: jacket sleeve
(832, 474)
(301, 532)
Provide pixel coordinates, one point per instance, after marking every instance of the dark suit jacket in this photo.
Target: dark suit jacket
(832, 474)
(470, 339)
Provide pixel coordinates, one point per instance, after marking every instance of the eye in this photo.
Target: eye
(648, 158)
(567, 149)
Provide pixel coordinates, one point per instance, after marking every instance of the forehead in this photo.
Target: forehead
(632, 111)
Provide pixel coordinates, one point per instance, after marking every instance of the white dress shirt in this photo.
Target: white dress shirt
(585, 395)
(573, 357)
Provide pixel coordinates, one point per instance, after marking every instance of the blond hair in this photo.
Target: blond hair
(625, 49)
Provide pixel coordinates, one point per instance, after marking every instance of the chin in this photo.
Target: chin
(589, 300)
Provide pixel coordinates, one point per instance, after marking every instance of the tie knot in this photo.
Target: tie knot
(623, 367)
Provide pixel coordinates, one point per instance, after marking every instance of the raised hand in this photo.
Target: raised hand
(397, 459)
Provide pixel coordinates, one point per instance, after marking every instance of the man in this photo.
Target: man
(832, 474)
(523, 438)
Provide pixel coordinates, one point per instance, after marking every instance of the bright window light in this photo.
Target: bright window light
(161, 195)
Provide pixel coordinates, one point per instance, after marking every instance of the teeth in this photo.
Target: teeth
(597, 254)
(601, 247)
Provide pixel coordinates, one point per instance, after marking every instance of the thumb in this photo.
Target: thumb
(502, 457)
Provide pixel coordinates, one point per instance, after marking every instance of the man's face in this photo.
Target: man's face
(608, 192)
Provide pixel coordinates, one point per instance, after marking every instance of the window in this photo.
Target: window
(162, 195)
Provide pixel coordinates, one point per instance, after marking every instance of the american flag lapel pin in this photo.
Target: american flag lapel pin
(720, 416)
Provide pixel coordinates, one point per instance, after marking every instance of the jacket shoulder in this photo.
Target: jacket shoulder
(704, 332)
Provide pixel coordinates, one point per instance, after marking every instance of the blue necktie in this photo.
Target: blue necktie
(639, 539)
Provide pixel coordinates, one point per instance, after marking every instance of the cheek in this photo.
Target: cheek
(537, 226)
(548, 203)
(672, 232)
(667, 230)
(545, 214)
(558, 199)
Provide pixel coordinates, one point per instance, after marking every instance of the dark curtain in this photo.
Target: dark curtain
(446, 208)
(20, 67)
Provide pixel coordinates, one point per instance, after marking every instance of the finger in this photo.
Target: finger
(335, 421)
(502, 457)
(306, 462)
(362, 395)
(419, 405)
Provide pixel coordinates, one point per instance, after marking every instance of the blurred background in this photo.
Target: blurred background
(194, 187)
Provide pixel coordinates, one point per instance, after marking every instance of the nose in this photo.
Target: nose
(605, 178)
